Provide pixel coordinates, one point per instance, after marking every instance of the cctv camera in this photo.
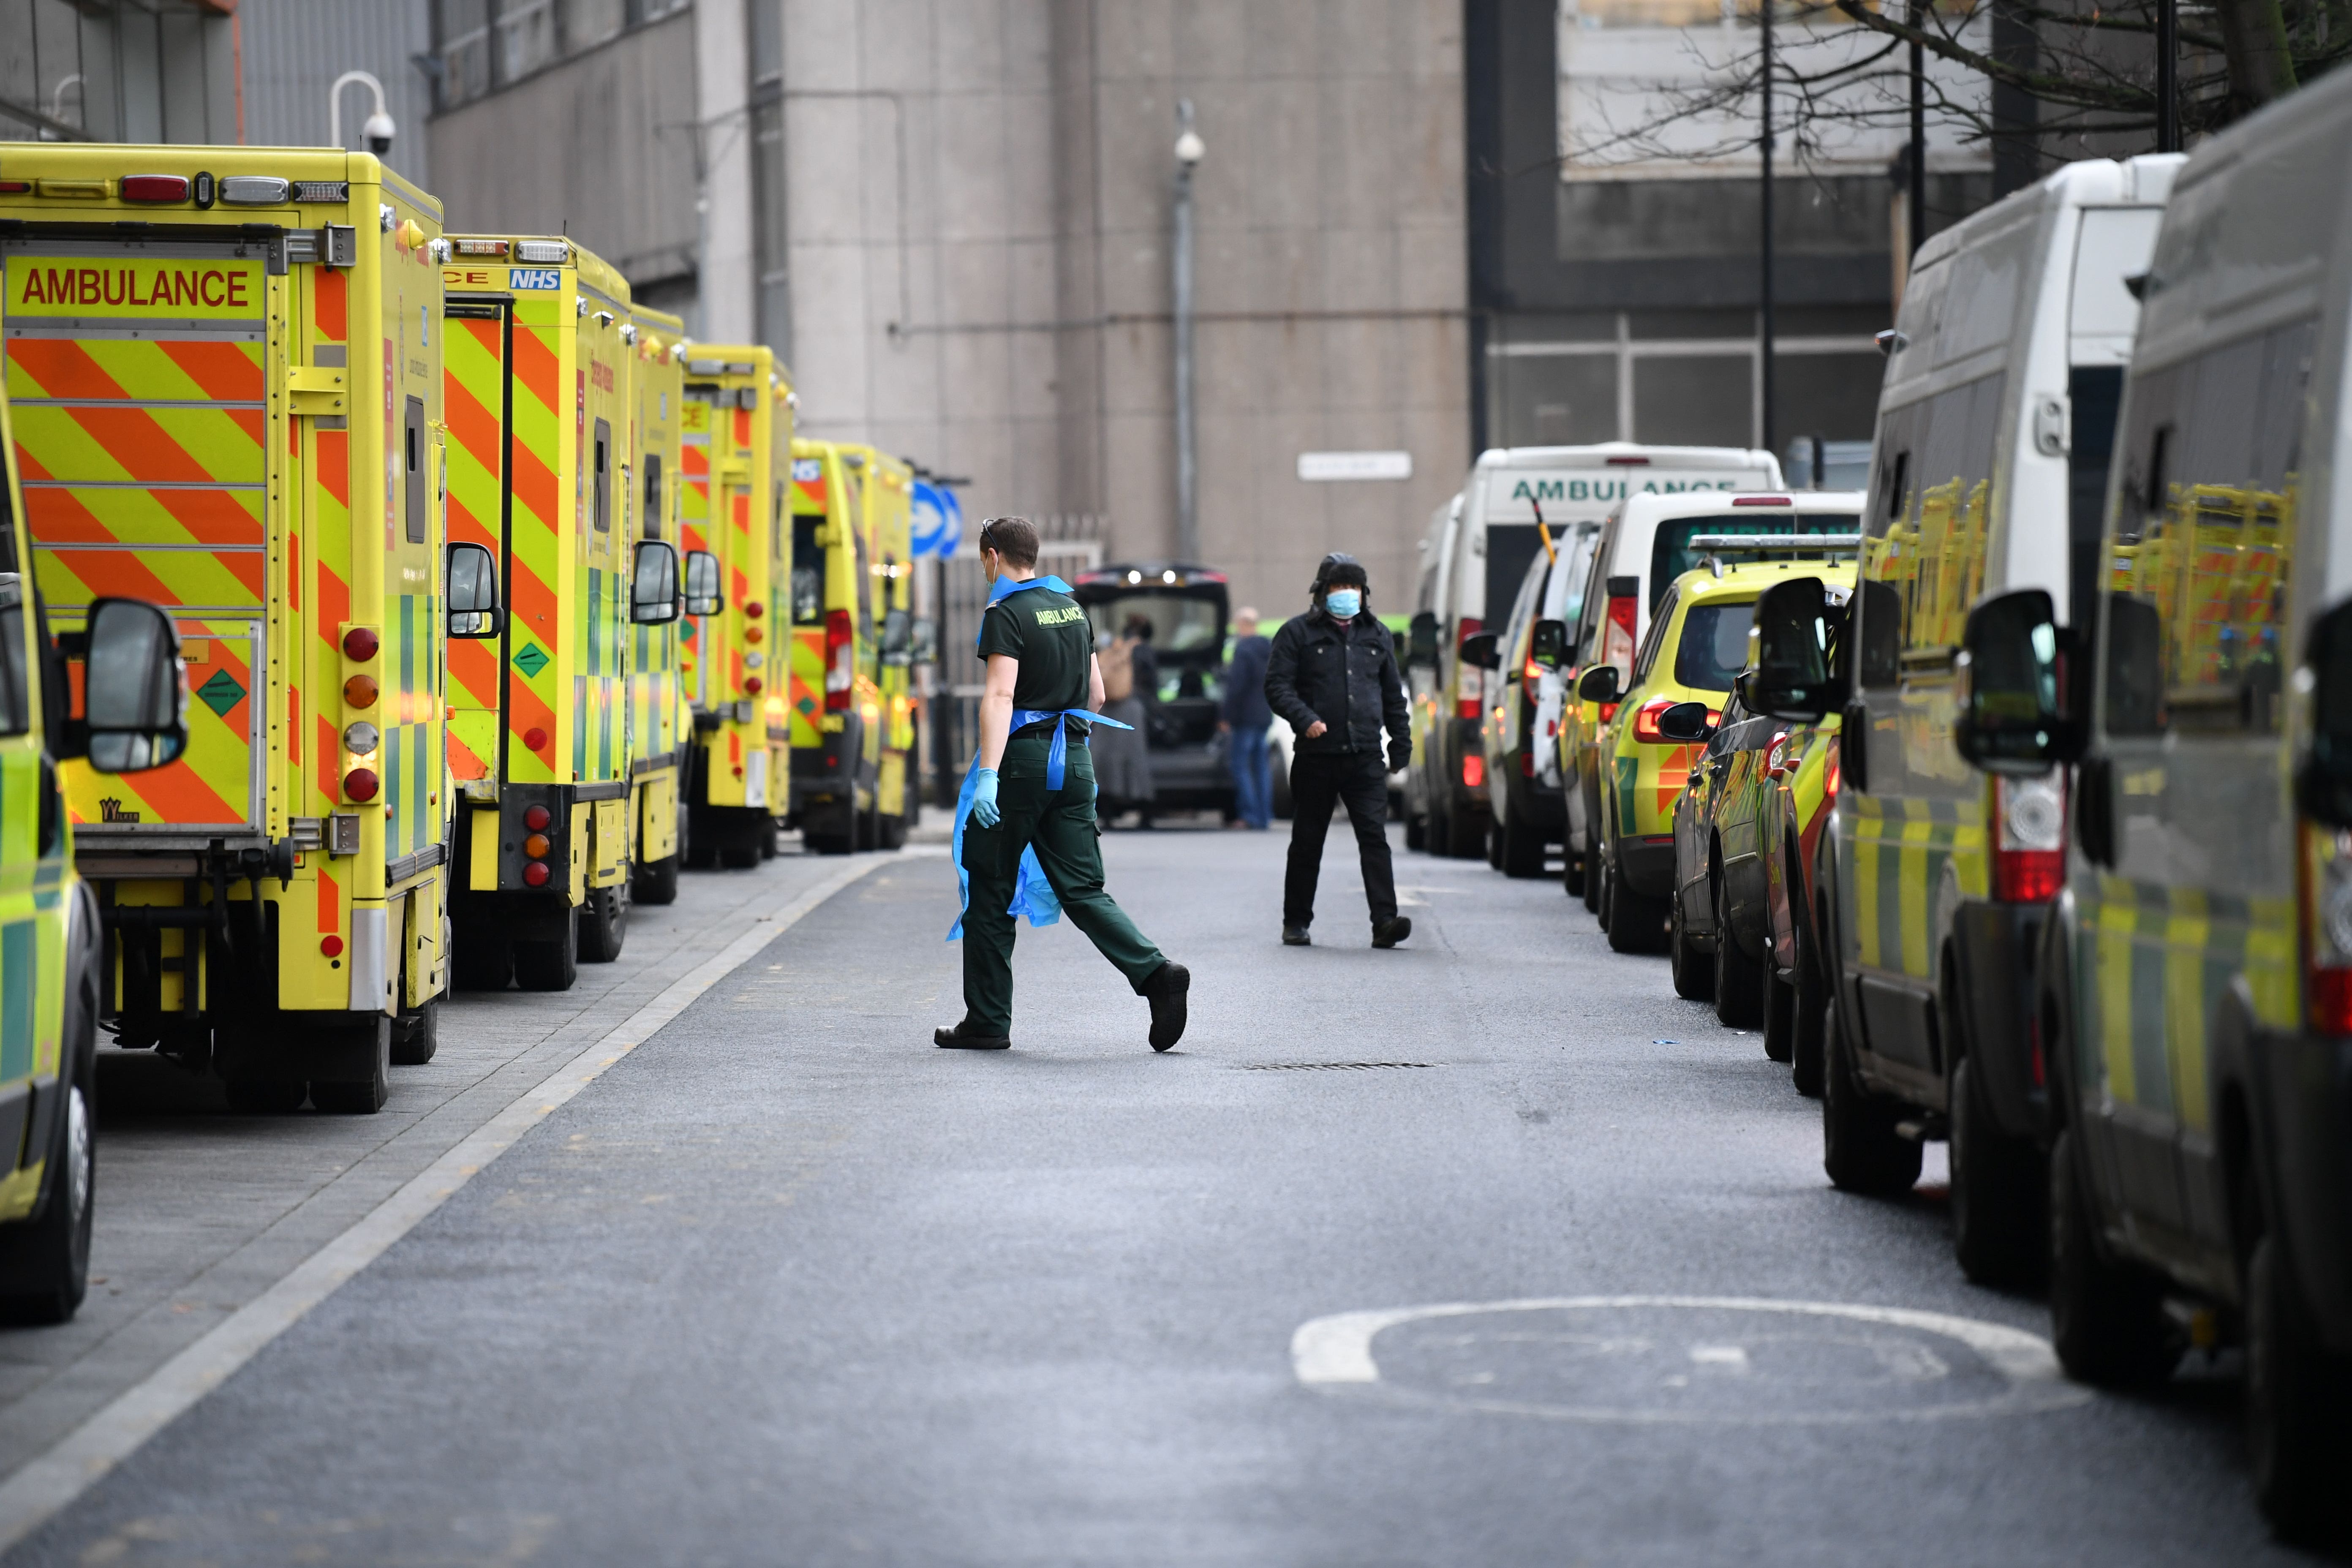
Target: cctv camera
(379, 132)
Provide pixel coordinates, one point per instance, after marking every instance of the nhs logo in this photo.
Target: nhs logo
(808, 468)
(534, 277)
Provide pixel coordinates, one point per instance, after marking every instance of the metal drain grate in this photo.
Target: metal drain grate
(1328, 1066)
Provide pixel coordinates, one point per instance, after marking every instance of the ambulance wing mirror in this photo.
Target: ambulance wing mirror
(897, 636)
(1598, 684)
(926, 642)
(1548, 644)
(1792, 679)
(1685, 723)
(702, 594)
(2013, 680)
(2323, 780)
(472, 581)
(1420, 640)
(1482, 650)
(653, 598)
(134, 691)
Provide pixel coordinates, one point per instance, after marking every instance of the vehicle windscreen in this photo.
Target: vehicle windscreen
(1188, 625)
(1713, 647)
(1671, 554)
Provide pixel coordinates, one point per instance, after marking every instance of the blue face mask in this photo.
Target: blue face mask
(1343, 602)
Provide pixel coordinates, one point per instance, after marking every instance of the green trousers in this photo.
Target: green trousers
(1060, 825)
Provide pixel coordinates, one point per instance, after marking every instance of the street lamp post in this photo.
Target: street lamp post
(1188, 150)
(1764, 319)
(379, 128)
(2168, 77)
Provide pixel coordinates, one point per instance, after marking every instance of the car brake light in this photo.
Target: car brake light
(2029, 859)
(154, 187)
(2324, 871)
(1608, 711)
(1470, 708)
(1629, 462)
(1762, 501)
(1617, 635)
(1531, 671)
(1527, 764)
(1645, 719)
(1474, 770)
(838, 656)
(1471, 625)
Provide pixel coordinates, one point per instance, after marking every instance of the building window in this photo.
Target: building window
(486, 45)
(116, 70)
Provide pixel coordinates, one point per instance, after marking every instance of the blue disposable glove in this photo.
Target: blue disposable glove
(983, 799)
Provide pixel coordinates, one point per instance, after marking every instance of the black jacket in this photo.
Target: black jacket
(1245, 706)
(1344, 674)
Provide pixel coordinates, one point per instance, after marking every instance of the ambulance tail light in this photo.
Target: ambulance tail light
(1617, 632)
(1472, 705)
(1474, 770)
(839, 653)
(359, 785)
(2029, 859)
(154, 187)
(2326, 867)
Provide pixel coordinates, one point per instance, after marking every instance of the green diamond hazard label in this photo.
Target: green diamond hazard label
(221, 692)
(530, 661)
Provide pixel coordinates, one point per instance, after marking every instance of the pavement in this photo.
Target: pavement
(1486, 1249)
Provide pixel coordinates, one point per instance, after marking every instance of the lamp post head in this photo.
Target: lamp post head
(1190, 148)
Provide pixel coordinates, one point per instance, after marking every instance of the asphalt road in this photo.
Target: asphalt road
(788, 1285)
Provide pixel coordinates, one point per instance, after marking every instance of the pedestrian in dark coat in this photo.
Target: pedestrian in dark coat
(1332, 674)
(1244, 718)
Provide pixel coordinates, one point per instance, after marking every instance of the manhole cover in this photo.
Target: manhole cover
(1328, 1067)
(1661, 1360)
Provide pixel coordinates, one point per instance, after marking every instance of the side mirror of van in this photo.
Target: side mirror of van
(2323, 779)
(1599, 684)
(1548, 644)
(1792, 679)
(1685, 723)
(1482, 651)
(652, 585)
(924, 647)
(2012, 671)
(1420, 640)
(135, 690)
(471, 581)
(703, 595)
(897, 636)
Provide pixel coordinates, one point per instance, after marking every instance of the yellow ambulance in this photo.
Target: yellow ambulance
(133, 718)
(226, 365)
(659, 719)
(538, 390)
(736, 431)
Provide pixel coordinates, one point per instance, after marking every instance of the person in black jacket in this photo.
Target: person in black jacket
(1332, 674)
(1244, 718)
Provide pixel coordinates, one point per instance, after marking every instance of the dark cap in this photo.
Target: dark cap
(1339, 568)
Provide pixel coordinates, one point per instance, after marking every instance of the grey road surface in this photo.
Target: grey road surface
(790, 1286)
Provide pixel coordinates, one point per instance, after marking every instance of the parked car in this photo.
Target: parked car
(1472, 565)
(1941, 875)
(1521, 733)
(2194, 996)
(1644, 545)
(1187, 607)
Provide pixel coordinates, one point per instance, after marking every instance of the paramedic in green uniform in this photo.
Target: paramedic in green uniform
(1042, 674)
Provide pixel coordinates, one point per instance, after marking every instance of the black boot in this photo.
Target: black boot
(1165, 991)
(1296, 936)
(1391, 932)
(961, 1038)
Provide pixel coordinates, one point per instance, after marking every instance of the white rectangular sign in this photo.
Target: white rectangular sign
(1355, 465)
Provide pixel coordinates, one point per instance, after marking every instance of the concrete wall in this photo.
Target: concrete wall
(598, 146)
(1000, 308)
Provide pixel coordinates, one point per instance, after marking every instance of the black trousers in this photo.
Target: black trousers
(1317, 783)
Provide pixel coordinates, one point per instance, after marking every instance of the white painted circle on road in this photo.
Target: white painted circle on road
(1687, 1360)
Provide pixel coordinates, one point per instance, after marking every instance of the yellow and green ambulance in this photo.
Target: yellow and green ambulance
(736, 437)
(226, 365)
(852, 720)
(659, 719)
(540, 411)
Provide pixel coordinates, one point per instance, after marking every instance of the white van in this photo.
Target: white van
(1473, 564)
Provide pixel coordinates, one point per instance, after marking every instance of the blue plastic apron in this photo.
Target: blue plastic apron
(1032, 895)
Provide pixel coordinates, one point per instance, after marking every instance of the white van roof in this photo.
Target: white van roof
(2142, 182)
(1625, 454)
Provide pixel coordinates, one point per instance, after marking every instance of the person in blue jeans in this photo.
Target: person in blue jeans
(1244, 719)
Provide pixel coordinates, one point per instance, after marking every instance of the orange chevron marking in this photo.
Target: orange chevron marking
(743, 515)
(178, 795)
(293, 726)
(294, 573)
(742, 427)
(466, 527)
(225, 371)
(537, 368)
(324, 780)
(525, 712)
(331, 900)
(334, 465)
(334, 603)
(133, 439)
(475, 427)
(474, 666)
(534, 484)
(63, 368)
(329, 303)
(463, 763)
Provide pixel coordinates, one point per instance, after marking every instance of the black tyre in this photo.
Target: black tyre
(2106, 1316)
(1495, 844)
(1738, 979)
(1861, 1150)
(1637, 922)
(604, 924)
(45, 1259)
(1780, 1012)
(1809, 1018)
(1694, 972)
(1592, 860)
(767, 837)
(265, 1096)
(738, 841)
(1465, 833)
(700, 850)
(416, 1036)
(1415, 836)
(1571, 871)
(550, 965)
(358, 1097)
(1997, 1187)
(2297, 1435)
(478, 962)
(1435, 834)
(657, 882)
(828, 830)
(1522, 854)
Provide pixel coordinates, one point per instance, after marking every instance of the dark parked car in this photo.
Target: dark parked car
(1186, 606)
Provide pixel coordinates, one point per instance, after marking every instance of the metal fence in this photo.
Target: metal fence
(1067, 544)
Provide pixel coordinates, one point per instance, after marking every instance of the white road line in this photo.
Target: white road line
(48, 1483)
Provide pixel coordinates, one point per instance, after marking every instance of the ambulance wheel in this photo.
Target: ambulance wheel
(416, 1036)
(767, 837)
(700, 847)
(1809, 998)
(550, 965)
(1637, 922)
(1694, 972)
(1465, 833)
(1416, 833)
(358, 1097)
(1780, 1012)
(828, 830)
(45, 1260)
(481, 963)
(739, 844)
(1433, 835)
(1494, 834)
(2107, 1317)
(1738, 979)
(1571, 871)
(2295, 1433)
(1523, 850)
(604, 925)
(1997, 1187)
(894, 832)
(1861, 1150)
(656, 881)
(265, 1096)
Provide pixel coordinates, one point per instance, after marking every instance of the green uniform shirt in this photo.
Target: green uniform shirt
(1050, 635)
